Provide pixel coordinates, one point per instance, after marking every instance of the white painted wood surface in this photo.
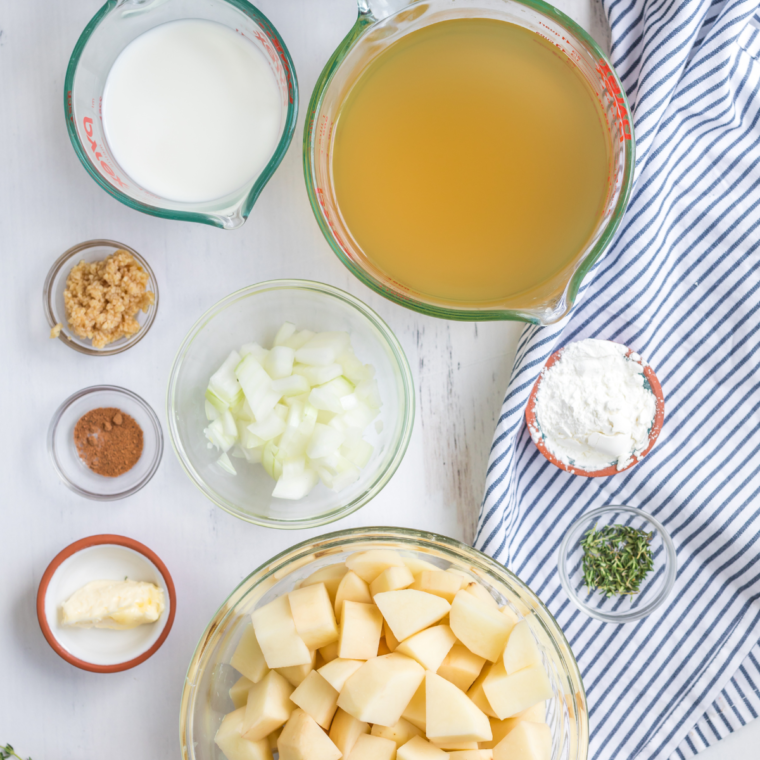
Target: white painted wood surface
(48, 709)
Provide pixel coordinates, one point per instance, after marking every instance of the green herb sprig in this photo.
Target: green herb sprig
(8, 752)
(616, 559)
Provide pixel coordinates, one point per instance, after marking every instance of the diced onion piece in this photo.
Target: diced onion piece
(268, 428)
(287, 330)
(299, 340)
(295, 486)
(279, 362)
(323, 348)
(211, 412)
(225, 463)
(324, 442)
(323, 398)
(223, 383)
(254, 350)
(295, 385)
(318, 375)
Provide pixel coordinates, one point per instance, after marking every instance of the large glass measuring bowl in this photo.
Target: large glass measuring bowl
(380, 24)
(112, 28)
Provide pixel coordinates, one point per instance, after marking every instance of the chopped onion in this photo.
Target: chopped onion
(300, 409)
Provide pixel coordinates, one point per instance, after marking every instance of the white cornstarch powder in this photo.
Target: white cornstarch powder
(594, 407)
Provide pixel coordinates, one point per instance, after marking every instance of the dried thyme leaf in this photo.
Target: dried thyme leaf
(616, 559)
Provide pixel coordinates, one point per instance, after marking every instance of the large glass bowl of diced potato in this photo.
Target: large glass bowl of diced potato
(383, 644)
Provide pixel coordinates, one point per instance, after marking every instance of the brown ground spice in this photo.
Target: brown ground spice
(109, 441)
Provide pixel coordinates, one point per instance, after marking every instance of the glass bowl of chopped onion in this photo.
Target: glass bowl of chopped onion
(230, 658)
(617, 564)
(290, 404)
(143, 295)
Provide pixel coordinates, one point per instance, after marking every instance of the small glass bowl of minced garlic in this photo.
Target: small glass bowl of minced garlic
(617, 564)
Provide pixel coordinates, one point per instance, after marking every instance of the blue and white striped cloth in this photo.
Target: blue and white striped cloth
(680, 285)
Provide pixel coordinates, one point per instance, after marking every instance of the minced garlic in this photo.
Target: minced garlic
(102, 298)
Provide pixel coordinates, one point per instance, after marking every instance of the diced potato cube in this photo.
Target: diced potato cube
(370, 747)
(480, 627)
(472, 754)
(273, 737)
(419, 749)
(416, 712)
(510, 614)
(345, 730)
(361, 626)
(351, 589)
(528, 741)
(338, 671)
(461, 667)
(390, 639)
(499, 729)
(268, 706)
(440, 583)
(392, 579)
(303, 739)
(477, 694)
(248, 658)
(383, 647)
(429, 647)
(521, 650)
(295, 674)
(481, 592)
(369, 564)
(450, 714)
(316, 697)
(276, 634)
(510, 694)
(239, 691)
(455, 746)
(331, 576)
(408, 612)
(417, 565)
(400, 733)
(234, 746)
(381, 689)
(313, 615)
(537, 713)
(330, 652)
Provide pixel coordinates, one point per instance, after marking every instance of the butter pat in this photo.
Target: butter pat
(119, 605)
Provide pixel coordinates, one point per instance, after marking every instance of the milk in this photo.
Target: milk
(192, 111)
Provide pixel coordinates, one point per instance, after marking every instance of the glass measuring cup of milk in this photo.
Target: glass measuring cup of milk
(381, 24)
(117, 24)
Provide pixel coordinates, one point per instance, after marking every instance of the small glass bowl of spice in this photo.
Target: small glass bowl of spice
(100, 298)
(105, 442)
(617, 564)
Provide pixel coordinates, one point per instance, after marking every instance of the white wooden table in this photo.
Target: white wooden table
(48, 709)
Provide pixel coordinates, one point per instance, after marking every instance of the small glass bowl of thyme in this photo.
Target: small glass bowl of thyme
(617, 564)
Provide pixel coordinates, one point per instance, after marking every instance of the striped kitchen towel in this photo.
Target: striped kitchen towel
(680, 285)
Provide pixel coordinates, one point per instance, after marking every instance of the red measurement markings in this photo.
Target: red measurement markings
(607, 75)
(88, 130)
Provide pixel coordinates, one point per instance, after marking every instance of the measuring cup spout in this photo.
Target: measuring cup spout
(380, 9)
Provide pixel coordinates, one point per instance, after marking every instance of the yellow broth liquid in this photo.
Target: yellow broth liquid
(471, 161)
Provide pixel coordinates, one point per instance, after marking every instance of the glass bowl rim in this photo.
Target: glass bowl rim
(288, 128)
(407, 410)
(364, 22)
(290, 557)
(48, 297)
(670, 572)
(156, 427)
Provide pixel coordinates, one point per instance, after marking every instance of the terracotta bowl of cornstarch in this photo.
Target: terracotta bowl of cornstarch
(596, 409)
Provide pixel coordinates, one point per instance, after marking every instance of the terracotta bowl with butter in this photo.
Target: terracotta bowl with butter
(531, 418)
(103, 557)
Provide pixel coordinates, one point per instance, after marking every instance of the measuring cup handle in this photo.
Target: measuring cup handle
(380, 9)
